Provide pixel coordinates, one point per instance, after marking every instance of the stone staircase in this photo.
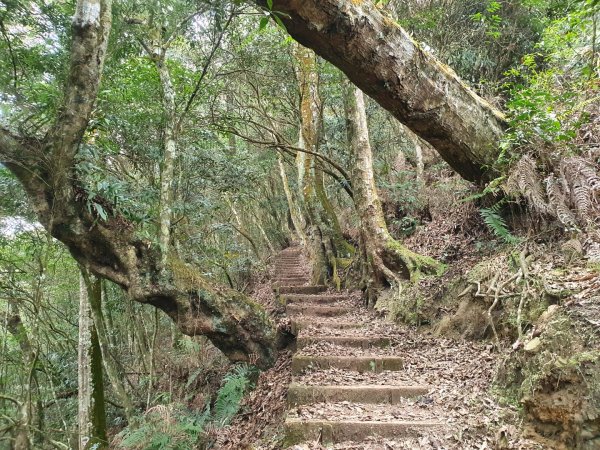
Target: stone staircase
(349, 385)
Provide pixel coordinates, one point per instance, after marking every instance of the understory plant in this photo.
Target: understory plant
(176, 427)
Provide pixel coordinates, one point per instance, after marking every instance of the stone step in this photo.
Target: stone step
(318, 299)
(356, 363)
(300, 394)
(290, 282)
(298, 325)
(302, 289)
(317, 310)
(345, 341)
(293, 277)
(334, 432)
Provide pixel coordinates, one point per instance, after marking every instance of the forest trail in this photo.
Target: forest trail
(347, 383)
(360, 382)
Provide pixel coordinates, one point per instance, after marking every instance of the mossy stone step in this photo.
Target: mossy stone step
(334, 432)
(375, 364)
(345, 341)
(300, 394)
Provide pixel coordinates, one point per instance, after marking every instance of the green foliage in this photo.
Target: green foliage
(490, 19)
(235, 385)
(551, 89)
(175, 427)
(479, 34)
(496, 224)
(170, 427)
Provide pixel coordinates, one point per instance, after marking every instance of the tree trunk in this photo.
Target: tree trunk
(382, 59)
(91, 413)
(167, 167)
(292, 206)
(385, 256)
(107, 358)
(264, 234)
(310, 125)
(240, 227)
(14, 325)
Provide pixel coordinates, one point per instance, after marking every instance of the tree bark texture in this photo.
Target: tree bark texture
(322, 252)
(26, 409)
(382, 59)
(167, 168)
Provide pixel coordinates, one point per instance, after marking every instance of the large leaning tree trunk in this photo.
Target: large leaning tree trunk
(381, 58)
(109, 248)
(385, 256)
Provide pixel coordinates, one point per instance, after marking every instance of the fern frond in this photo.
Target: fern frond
(592, 246)
(583, 180)
(231, 393)
(497, 225)
(559, 204)
(525, 181)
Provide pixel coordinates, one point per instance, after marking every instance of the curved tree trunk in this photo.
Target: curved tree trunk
(109, 248)
(381, 58)
(385, 256)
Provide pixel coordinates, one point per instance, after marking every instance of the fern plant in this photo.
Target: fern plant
(166, 427)
(230, 395)
(497, 225)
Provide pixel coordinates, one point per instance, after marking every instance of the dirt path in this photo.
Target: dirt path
(359, 382)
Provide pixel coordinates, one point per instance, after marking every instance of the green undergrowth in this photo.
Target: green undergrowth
(177, 427)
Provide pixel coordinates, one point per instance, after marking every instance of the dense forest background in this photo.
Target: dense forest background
(213, 140)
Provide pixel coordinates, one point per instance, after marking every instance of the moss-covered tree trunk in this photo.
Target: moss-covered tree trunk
(386, 257)
(329, 242)
(110, 248)
(107, 360)
(91, 412)
(382, 59)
